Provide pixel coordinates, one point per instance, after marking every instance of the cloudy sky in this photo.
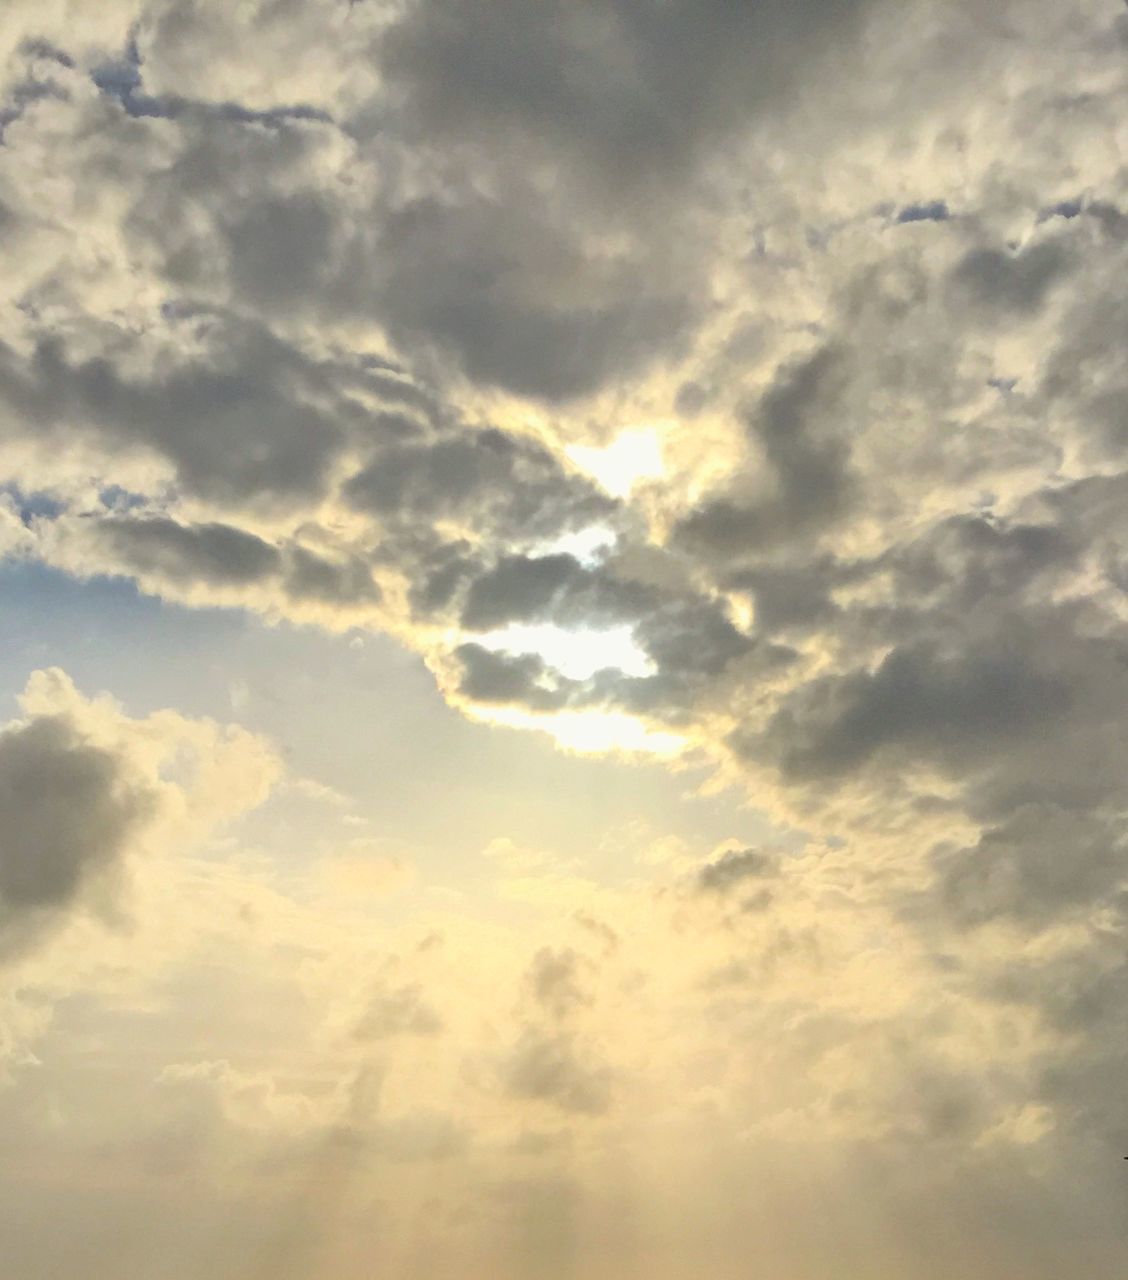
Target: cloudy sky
(564, 639)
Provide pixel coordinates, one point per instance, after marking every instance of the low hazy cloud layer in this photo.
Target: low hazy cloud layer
(321, 310)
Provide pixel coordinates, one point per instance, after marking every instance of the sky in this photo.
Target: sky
(563, 639)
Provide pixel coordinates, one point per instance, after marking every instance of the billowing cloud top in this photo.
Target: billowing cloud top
(738, 384)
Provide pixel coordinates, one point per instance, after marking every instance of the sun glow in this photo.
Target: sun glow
(592, 732)
(633, 456)
(589, 545)
(575, 654)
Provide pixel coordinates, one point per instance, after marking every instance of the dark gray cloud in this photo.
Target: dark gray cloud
(278, 249)
(1084, 381)
(182, 554)
(508, 485)
(165, 555)
(242, 425)
(441, 570)
(551, 1062)
(627, 90)
(519, 589)
(311, 577)
(960, 661)
(39, 82)
(734, 867)
(919, 702)
(398, 1011)
(1018, 282)
(506, 286)
(549, 1068)
(807, 456)
(68, 811)
(557, 981)
(274, 241)
(520, 303)
(522, 679)
(1036, 867)
(795, 595)
(971, 561)
(690, 636)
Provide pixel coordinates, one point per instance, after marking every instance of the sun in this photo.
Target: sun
(634, 455)
(577, 654)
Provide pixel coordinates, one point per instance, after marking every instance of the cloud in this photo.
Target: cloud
(919, 702)
(1012, 282)
(733, 867)
(85, 791)
(548, 1068)
(489, 677)
(1035, 868)
(519, 589)
(212, 563)
(503, 483)
(310, 310)
(810, 478)
(70, 811)
(229, 432)
(401, 1012)
(631, 92)
(555, 979)
(213, 552)
(521, 302)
